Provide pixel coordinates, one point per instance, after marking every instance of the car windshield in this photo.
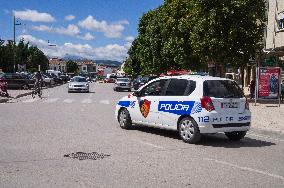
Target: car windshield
(123, 80)
(78, 79)
(222, 89)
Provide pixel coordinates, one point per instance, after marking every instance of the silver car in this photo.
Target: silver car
(122, 84)
(78, 83)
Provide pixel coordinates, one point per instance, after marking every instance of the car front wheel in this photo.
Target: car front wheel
(188, 130)
(124, 119)
(236, 135)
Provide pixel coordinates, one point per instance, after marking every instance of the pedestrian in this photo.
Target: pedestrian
(252, 88)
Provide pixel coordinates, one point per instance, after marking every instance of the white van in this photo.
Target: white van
(56, 73)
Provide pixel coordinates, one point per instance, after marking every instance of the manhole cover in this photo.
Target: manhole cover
(84, 156)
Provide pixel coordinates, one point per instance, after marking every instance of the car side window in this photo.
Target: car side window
(190, 87)
(154, 88)
(177, 87)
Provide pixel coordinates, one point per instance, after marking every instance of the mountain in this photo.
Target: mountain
(108, 62)
(100, 62)
(73, 58)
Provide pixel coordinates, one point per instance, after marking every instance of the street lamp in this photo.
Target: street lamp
(14, 59)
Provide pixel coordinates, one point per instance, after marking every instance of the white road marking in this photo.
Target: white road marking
(51, 100)
(267, 137)
(149, 144)
(68, 101)
(30, 100)
(246, 168)
(104, 101)
(87, 101)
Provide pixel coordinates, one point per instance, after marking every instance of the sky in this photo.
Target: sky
(94, 29)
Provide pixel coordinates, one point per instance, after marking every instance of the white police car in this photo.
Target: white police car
(193, 105)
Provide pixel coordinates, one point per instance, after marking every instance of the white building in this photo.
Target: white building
(275, 27)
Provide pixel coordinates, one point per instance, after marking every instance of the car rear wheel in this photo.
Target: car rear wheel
(124, 119)
(188, 130)
(236, 135)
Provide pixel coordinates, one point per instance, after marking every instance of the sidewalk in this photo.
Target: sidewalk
(266, 116)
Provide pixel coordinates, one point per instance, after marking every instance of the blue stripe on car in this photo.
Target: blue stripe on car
(176, 107)
(124, 103)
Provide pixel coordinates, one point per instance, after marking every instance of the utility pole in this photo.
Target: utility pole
(14, 46)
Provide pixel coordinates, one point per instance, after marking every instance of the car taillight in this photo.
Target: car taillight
(247, 104)
(206, 102)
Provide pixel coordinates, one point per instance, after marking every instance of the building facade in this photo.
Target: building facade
(57, 65)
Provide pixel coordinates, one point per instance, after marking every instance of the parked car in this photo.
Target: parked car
(78, 84)
(122, 84)
(109, 80)
(48, 81)
(56, 79)
(191, 105)
(16, 81)
(64, 78)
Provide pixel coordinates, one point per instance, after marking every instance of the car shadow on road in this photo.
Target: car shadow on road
(212, 140)
(220, 140)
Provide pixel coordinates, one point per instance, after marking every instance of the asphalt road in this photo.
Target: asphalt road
(36, 134)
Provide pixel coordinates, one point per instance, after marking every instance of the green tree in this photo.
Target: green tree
(72, 67)
(227, 31)
(6, 57)
(186, 34)
(22, 53)
(35, 58)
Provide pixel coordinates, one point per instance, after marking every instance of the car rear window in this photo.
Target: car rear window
(222, 89)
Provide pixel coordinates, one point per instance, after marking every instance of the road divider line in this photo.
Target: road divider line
(30, 100)
(246, 168)
(51, 100)
(104, 101)
(87, 101)
(149, 144)
(68, 101)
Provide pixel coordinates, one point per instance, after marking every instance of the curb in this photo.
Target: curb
(3, 100)
(23, 94)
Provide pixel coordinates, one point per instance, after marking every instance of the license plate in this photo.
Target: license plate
(230, 105)
(123, 84)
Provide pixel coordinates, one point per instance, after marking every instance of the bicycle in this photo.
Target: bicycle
(37, 90)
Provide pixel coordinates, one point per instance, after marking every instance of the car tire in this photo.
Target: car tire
(236, 135)
(124, 119)
(188, 130)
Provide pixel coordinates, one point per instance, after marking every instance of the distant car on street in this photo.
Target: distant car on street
(122, 84)
(16, 81)
(78, 84)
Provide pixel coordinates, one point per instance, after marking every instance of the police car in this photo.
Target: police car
(192, 105)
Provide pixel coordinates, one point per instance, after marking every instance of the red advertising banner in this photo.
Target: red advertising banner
(268, 82)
